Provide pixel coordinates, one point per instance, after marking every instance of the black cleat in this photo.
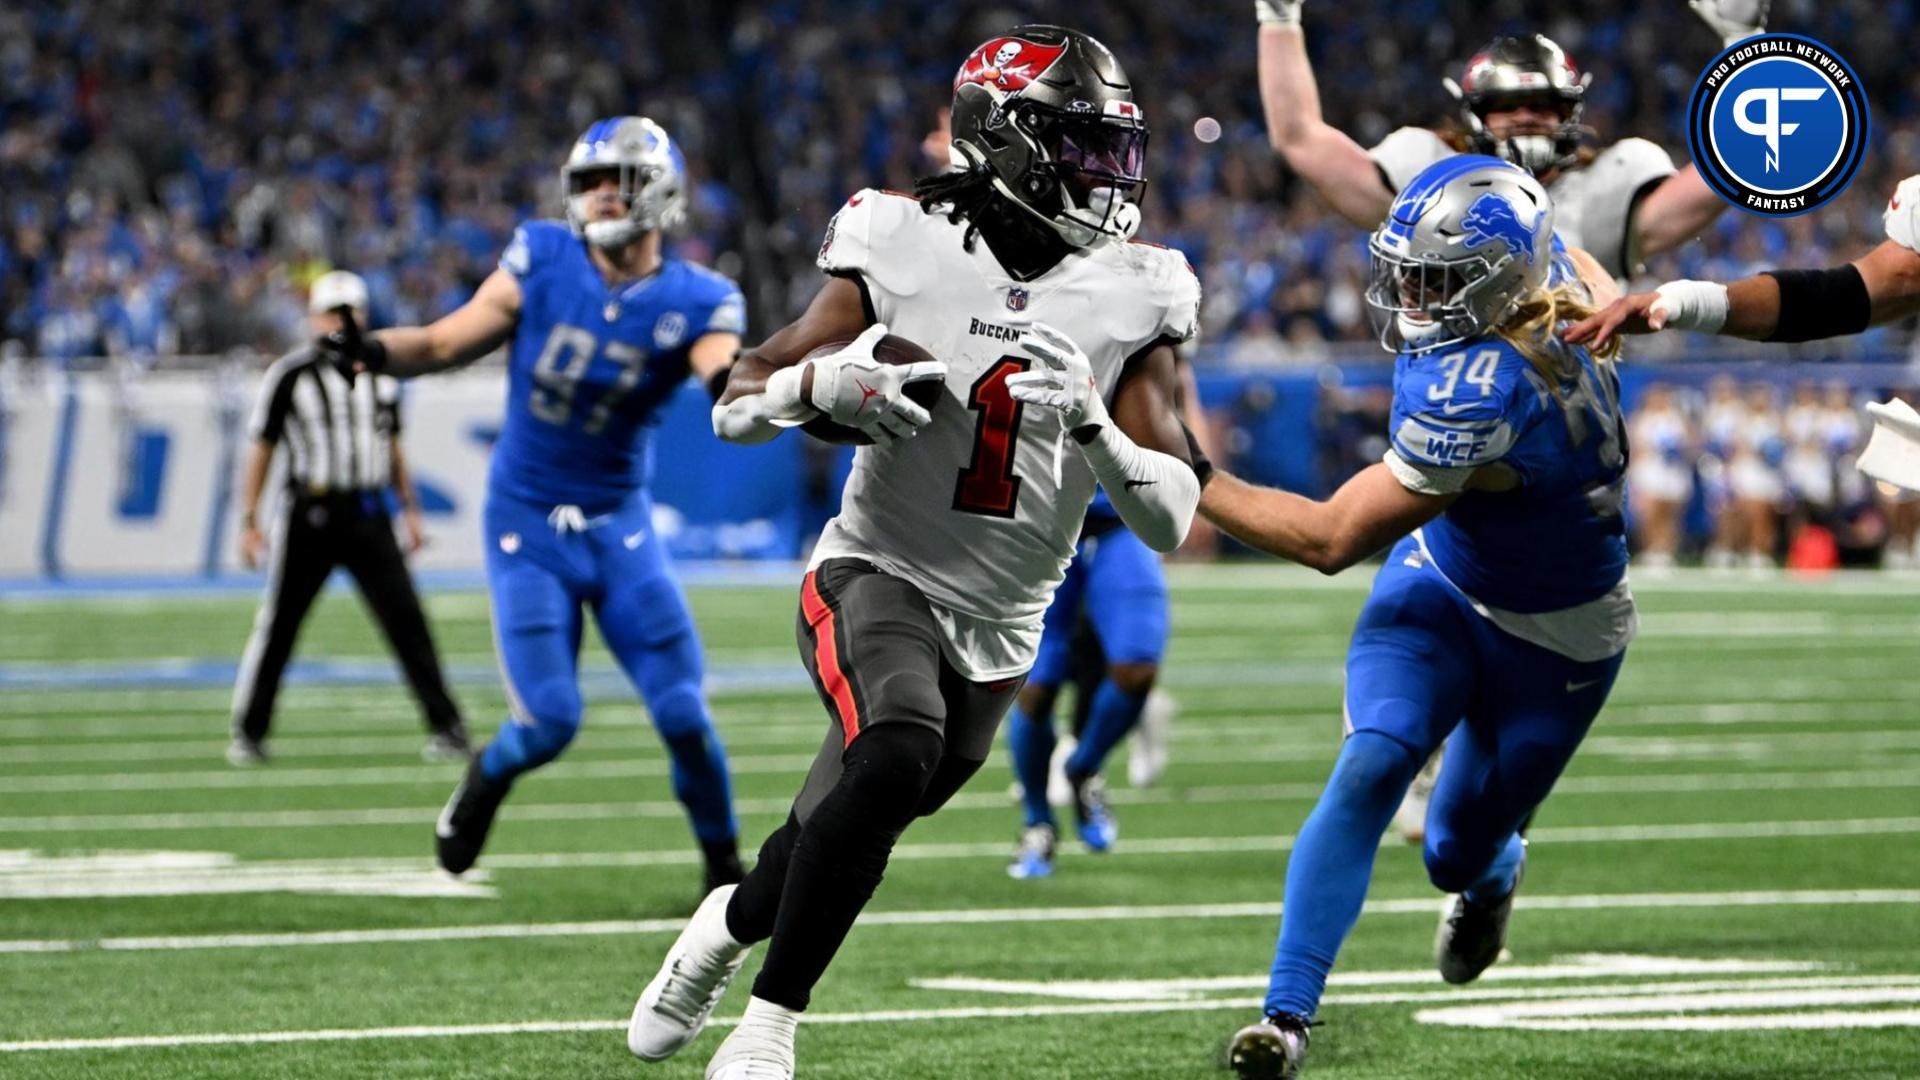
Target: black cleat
(245, 753)
(448, 744)
(1273, 1049)
(462, 829)
(1472, 935)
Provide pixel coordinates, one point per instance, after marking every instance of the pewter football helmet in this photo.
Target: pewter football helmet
(1464, 243)
(652, 178)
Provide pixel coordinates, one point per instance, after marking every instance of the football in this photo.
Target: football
(891, 349)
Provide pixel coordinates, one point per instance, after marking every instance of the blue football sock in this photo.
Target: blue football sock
(1332, 864)
(1031, 741)
(1114, 713)
(1501, 877)
(701, 784)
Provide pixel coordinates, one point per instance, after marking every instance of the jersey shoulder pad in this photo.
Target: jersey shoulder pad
(1406, 151)
(861, 227)
(534, 246)
(1632, 162)
(1462, 407)
(1903, 214)
(1174, 286)
(722, 307)
(1608, 192)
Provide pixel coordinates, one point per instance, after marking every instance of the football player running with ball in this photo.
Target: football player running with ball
(921, 613)
(1502, 615)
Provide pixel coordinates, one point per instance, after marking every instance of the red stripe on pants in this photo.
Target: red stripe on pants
(826, 657)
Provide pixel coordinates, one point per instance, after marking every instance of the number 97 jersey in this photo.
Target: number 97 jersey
(981, 510)
(591, 364)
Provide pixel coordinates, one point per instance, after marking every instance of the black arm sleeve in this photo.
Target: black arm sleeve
(1817, 304)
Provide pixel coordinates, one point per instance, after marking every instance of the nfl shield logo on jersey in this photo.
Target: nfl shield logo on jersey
(1017, 299)
(669, 331)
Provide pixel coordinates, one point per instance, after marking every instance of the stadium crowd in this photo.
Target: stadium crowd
(173, 181)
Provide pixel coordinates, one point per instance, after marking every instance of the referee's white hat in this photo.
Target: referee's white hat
(338, 288)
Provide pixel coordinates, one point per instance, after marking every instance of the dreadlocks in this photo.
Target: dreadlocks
(965, 194)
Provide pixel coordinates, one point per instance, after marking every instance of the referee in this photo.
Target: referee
(343, 451)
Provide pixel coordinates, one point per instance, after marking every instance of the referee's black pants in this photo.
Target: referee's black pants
(314, 535)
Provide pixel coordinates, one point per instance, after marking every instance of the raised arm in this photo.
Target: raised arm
(1326, 158)
(1675, 211)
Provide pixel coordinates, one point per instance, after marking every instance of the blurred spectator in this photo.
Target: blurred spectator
(156, 167)
(1660, 474)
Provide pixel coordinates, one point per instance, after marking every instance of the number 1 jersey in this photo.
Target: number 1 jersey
(982, 508)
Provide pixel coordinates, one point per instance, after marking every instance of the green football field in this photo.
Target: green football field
(1726, 883)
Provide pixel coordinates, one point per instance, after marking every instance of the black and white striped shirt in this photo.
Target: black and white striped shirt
(339, 435)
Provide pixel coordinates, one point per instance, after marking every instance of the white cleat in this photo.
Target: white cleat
(692, 979)
(1410, 821)
(760, 1047)
(1147, 750)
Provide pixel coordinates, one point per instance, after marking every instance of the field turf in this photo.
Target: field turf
(1726, 884)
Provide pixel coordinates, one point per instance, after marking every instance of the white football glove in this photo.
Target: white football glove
(1277, 12)
(1734, 20)
(1063, 378)
(855, 390)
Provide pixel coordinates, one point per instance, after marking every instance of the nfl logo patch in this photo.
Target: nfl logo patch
(1017, 299)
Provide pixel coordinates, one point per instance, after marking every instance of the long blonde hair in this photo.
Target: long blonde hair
(1533, 328)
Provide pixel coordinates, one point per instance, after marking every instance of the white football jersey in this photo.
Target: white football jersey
(1592, 204)
(1903, 214)
(982, 509)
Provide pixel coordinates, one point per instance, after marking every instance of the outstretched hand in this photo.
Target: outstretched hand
(1639, 313)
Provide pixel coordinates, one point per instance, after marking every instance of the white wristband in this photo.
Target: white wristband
(783, 394)
(1277, 12)
(1693, 305)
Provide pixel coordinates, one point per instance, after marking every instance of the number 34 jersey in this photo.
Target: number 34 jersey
(982, 508)
(591, 364)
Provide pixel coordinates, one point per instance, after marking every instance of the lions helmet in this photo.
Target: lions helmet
(1049, 112)
(651, 172)
(1464, 243)
(1514, 71)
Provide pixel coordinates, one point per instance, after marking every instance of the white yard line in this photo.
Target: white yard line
(1846, 989)
(1422, 906)
(1720, 746)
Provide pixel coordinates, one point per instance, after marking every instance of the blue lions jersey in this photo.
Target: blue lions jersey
(1557, 539)
(591, 364)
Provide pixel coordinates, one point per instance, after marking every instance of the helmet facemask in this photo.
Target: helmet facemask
(1512, 73)
(1538, 148)
(1085, 173)
(1417, 305)
(1465, 243)
(648, 169)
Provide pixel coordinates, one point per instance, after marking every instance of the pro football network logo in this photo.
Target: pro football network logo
(1778, 124)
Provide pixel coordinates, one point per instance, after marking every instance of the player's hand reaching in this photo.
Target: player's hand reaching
(1638, 313)
(349, 350)
(856, 390)
(1277, 12)
(1733, 20)
(1063, 379)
